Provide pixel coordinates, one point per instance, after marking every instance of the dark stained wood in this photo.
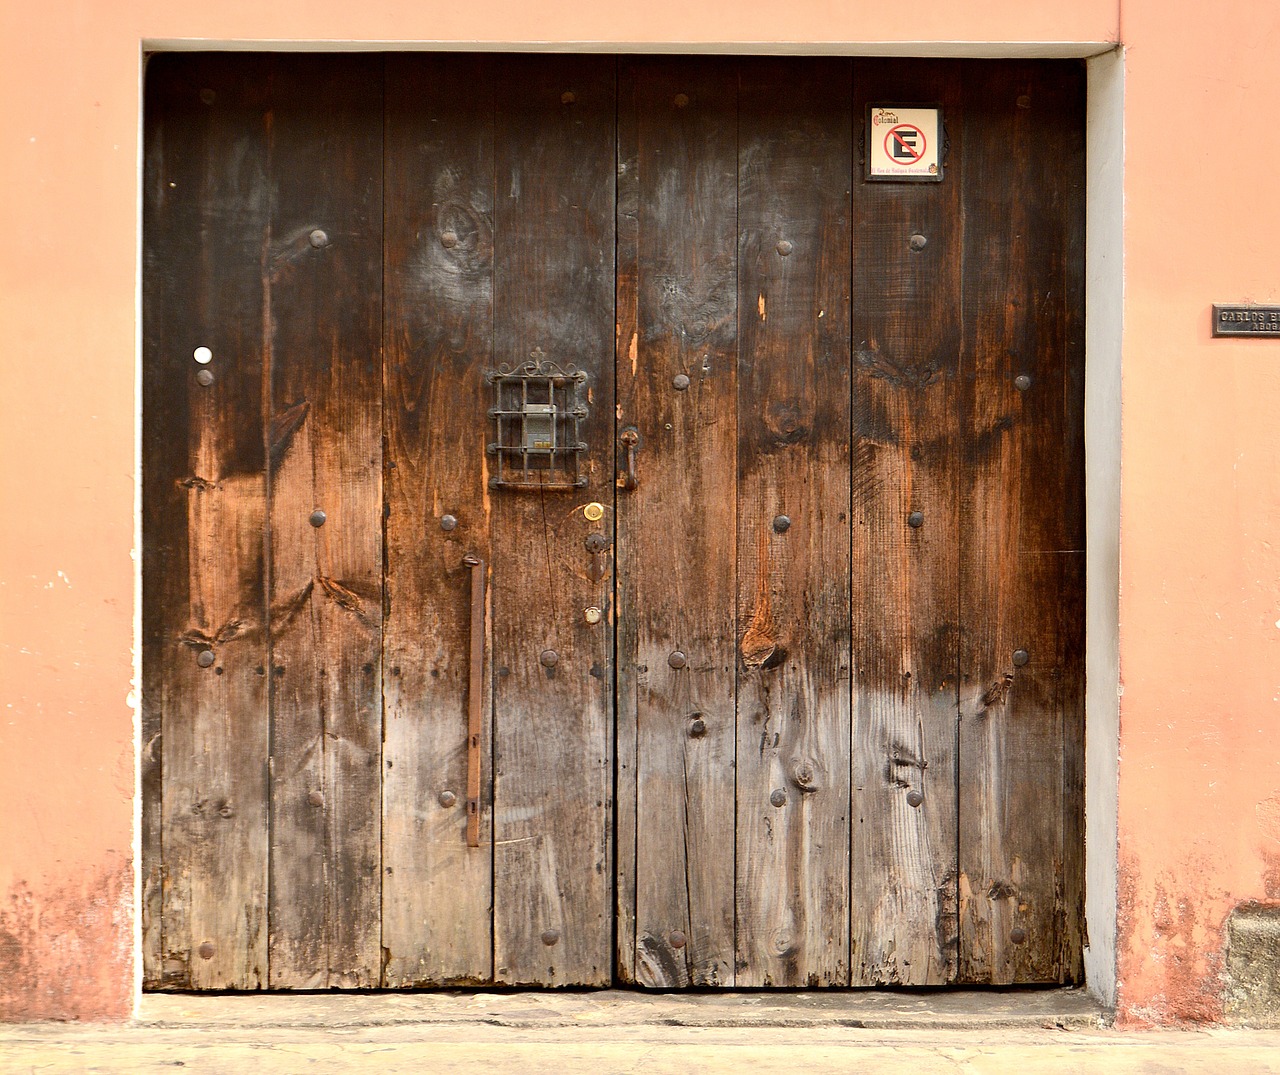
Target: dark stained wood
(323, 326)
(793, 719)
(907, 324)
(875, 791)
(1022, 541)
(207, 192)
(437, 892)
(677, 317)
(553, 727)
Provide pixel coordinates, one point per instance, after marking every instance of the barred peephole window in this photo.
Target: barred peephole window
(537, 413)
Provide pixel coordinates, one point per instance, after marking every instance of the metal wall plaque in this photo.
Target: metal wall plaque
(904, 143)
(1230, 320)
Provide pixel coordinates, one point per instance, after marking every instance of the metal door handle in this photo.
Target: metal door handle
(629, 438)
(475, 687)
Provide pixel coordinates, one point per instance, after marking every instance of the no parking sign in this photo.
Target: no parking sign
(904, 142)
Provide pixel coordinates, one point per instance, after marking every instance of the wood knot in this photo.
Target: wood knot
(758, 645)
(344, 596)
(998, 692)
(283, 427)
(897, 372)
(1001, 890)
(804, 777)
(785, 944)
(788, 421)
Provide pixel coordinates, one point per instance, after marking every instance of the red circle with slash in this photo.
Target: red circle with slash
(893, 136)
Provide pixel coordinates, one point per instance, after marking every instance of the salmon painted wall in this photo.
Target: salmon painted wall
(1200, 642)
(1200, 539)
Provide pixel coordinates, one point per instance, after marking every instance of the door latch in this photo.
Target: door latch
(629, 438)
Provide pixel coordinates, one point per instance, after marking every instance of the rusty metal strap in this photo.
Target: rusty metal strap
(475, 691)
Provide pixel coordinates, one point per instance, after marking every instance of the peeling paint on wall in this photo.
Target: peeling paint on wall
(66, 948)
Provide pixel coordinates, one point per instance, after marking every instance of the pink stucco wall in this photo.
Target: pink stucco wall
(1200, 619)
(1200, 539)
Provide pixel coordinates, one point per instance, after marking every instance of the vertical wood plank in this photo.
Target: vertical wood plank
(167, 380)
(553, 728)
(323, 326)
(207, 197)
(677, 386)
(793, 718)
(1020, 577)
(437, 897)
(907, 325)
(627, 629)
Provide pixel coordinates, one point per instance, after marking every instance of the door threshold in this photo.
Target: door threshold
(968, 1009)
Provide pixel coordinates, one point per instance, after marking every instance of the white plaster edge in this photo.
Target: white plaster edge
(991, 50)
(1104, 325)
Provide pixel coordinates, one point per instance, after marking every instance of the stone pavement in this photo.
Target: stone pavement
(1023, 1033)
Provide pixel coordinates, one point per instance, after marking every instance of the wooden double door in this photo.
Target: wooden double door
(595, 535)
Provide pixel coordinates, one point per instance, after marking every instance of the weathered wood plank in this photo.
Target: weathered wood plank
(907, 255)
(167, 373)
(553, 725)
(1020, 580)
(437, 895)
(323, 319)
(793, 718)
(207, 194)
(626, 684)
(677, 385)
